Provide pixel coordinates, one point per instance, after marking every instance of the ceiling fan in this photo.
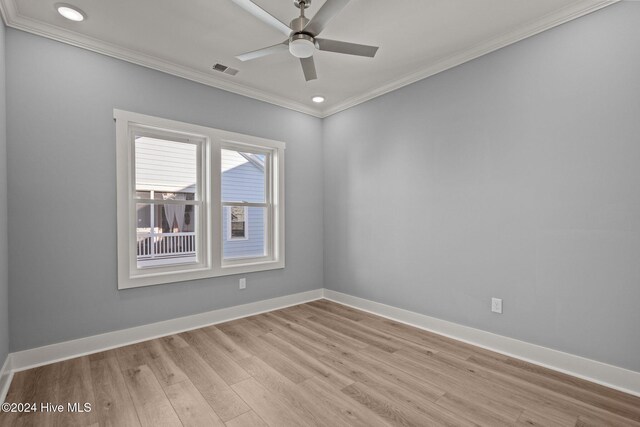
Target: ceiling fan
(303, 34)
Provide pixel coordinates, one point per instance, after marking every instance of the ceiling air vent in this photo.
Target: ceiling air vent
(224, 69)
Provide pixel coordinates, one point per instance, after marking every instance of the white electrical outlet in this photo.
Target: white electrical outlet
(496, 305)
(243, 283)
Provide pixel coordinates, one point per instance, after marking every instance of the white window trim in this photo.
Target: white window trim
(210, 262)
(230, 238)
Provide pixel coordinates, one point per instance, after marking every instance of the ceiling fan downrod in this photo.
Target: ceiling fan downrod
(298, 24)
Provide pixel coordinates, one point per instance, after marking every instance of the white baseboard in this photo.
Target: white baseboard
(591, 370)
(6, 375)
(32, 358)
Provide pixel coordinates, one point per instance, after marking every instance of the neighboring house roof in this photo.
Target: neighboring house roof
(257, 161)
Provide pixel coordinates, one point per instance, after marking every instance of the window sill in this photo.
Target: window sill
(152, 279)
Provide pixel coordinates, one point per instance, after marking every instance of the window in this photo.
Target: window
(195, 202)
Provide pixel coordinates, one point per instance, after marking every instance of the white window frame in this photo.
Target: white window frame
(209, 226)
(230, 238)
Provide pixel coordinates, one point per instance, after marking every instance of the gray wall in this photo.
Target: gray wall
(61, 180)
(4, 285)
(516, 176)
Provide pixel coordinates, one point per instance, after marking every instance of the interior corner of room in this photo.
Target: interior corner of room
(490, 198)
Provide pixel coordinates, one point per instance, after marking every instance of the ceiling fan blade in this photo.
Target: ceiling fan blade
(322, 17)
(255, 54)
(347, 48)
(309, 68)
(263, 15)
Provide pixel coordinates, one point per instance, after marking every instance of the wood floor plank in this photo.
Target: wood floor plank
(42, 388)
(37, 386)
(502, 388)
(363, 369)
(373, 331)
(393, 391)
(114, 405)
(231, 349)
(397, 413)
(536, 419)
(152, 405)
(368, 337)
(475, 411)
(192, 409)
(153, 355)
(321, 335)
(295, 310)
(459, 382)
(609, 401)
(248, 419)
(14, 395)
(74, 387)
(296, 398)
(302, 318)
(340, 310)
(332, 403)
(419, 336)
(379, 328)
(268, 405)
(161, 364)
(315, 364)
(313, 343)
(304, 359)
(215, 356)
(271, 356)
(224, 401)
(253, 326)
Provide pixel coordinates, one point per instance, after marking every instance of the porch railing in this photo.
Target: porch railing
(166, 245)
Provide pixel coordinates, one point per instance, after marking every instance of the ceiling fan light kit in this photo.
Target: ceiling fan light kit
(301, 45)
(302, 34)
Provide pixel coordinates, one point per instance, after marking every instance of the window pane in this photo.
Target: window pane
(254, 241)
(243, 176)
(165, 167)
(165, 234)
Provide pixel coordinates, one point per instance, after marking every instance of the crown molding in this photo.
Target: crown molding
(12, 18)
(569, 13)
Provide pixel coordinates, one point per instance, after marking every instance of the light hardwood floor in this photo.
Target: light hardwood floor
(316, 364)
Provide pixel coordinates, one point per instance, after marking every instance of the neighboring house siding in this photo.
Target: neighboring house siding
(165, 166)
(244, 182)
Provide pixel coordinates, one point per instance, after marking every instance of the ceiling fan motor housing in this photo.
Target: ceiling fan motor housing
(298, 24)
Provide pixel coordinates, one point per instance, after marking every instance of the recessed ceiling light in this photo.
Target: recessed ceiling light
(70, 12)
(318, 99)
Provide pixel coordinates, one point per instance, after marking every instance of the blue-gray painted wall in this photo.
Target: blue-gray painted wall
(61, 177)
(515, 176)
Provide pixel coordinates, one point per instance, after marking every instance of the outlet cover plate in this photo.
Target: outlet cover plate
(496, 305)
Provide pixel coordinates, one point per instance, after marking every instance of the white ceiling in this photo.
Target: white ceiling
(417, 38)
